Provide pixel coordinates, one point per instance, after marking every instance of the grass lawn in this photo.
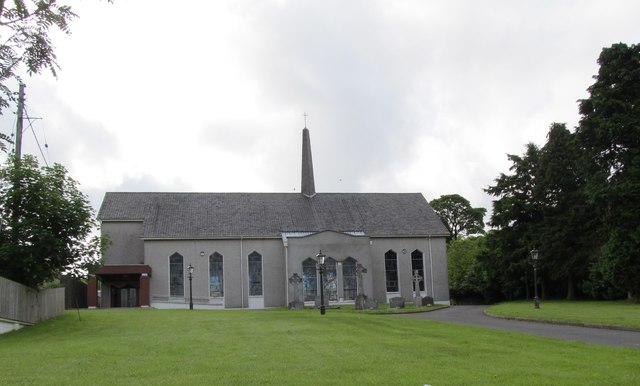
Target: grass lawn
(604, 313)
(279, 347)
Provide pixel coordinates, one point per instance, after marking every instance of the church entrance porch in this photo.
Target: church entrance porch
(126, 296)
(120, 286)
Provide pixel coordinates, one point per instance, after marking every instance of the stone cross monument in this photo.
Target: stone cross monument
(359, 271)
(295, 281)
(417, 299)
(361, 298)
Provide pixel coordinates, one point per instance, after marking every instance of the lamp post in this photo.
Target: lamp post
(320, 257)
(534, 260)
(190, 276)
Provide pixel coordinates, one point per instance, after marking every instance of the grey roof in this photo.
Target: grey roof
(213, 215)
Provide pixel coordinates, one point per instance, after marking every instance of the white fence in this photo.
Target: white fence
(21, 305)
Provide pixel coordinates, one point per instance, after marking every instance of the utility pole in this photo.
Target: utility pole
(19, 123)
(15, 209)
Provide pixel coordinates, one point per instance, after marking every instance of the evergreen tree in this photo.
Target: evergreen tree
(609, 137)
(516, 217)
(577, 199)
(567, 232)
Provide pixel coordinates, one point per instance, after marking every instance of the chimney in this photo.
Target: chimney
(308, 186)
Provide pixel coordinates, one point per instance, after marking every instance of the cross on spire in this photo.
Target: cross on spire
(305, 115)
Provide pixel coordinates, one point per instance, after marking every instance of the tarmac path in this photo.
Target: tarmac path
(474, 315)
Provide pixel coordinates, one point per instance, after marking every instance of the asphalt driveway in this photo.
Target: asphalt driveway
(474, 315)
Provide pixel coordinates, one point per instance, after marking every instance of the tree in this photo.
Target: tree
(458, 216)
(25, 26)
(4, 139)
(45, 222)
(517, 211)
(609, 138)
(577, 199)
(567, 233)
(543, 205)
(468, 277)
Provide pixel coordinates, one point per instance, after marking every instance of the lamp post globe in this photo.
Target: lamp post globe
(320, 258)
(190, 276)
(534, 260)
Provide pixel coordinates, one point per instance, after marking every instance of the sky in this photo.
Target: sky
(401, 96)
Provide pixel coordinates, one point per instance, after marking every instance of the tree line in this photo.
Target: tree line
(576, 200)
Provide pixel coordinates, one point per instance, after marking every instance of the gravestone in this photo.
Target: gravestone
(427, 301)
(361, 298)
(295, 281)
(417, 299)
(397, 302)
(361, 301)
(370, 304)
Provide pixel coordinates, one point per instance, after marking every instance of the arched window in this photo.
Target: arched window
(309, 280)
(330, 279)
(391, 271)
(216, 273)
(417, 264)
(176, 275)
(255, 274)
(349, 278)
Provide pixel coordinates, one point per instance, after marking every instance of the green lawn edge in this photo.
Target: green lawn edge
(620, 315)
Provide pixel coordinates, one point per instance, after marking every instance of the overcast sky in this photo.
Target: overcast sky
(402, 96)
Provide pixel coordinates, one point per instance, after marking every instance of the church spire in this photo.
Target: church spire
(308, 185)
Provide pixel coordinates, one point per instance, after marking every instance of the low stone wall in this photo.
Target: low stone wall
(22, 306)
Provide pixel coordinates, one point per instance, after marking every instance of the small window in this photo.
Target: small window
(309, 280)
(417, 264)
(255, 274)
(216, 281)
(349, 278)
(391, 271)
(176, 275)
(330, 279)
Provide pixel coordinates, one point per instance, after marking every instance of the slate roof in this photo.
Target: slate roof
(216, 215)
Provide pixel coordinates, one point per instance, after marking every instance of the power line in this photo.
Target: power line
(44, 135)
(21, 114)
(30, 120)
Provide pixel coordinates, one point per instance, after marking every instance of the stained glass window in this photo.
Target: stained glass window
(176, 275)
(309, 280)
(255, 274)
(417, 264)
(350, 278)
(216, 281)
(391, 270)
(330, 280)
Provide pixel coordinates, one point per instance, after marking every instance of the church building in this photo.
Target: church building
(243, 248)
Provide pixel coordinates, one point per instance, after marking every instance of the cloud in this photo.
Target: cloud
(334, 63)
(83, 145)
(402, 96)
(149, 183)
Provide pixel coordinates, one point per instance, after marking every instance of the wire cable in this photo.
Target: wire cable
(30, 122)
